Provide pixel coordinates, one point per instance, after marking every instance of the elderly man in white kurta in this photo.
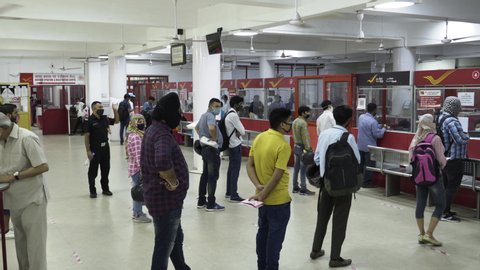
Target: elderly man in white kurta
(22, 163)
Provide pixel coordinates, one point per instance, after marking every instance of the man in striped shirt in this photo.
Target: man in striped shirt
(455, 141)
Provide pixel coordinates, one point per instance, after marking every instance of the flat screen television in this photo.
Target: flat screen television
(214, 43)
(178, 54)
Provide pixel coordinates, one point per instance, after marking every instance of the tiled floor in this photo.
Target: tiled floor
(93, 234)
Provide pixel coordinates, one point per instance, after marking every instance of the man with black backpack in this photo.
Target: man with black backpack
(455, 141)
(338, 157)
(234, 130)
(124, 110)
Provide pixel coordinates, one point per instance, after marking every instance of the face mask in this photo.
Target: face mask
(17, 118)
(173, 120)
(306, 116)
(141, 126)
(216, 111)
(100, 112)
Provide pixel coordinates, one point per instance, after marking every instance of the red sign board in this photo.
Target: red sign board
(26, 78)
(169, 85)
(469, 76)
(227, 84)
(250, 83)
(287, 82)
(185, 85)
(429, 98)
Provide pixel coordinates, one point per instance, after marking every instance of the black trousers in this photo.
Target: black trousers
(79, 123)
(101, 157)
(452, 175)
(340, 206)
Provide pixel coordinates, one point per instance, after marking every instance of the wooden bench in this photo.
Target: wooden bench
(395, 163)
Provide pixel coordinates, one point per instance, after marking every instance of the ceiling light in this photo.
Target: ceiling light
(245, 33)
(393, 4)
(103, 56)
(131, 55)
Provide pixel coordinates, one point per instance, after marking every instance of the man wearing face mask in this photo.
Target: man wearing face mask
(369, 130)
(207, 127)
(235, 130)
(165, 183)
(22, 164)
(301, 137)
(97, 147)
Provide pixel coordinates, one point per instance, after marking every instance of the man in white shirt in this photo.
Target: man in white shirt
(79, 107)
(326, 119)
(235, 130)
(340, 205)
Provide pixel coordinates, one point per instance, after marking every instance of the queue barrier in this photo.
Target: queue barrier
(395, 163)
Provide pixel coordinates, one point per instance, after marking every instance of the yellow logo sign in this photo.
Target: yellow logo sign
(440, 79)
(245, 84)
(275, 84)
(372, 79)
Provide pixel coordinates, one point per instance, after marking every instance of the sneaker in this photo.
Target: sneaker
(340, 262)
(107, 192)
(452, 213)
(201, 204)
(93, 195)
(450, 218)
(296, 189)
(317, 254)
(420, 239)
(431, 240)
(307, 192)
(10, 234)
(215, 208)
(236, 199)
(227, 196)
(142, 218)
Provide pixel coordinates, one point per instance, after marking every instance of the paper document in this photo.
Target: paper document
(252, 203)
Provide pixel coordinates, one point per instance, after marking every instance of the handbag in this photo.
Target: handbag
(137, 193)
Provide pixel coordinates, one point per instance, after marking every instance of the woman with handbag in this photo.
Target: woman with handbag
(133, 146)
(426, 135)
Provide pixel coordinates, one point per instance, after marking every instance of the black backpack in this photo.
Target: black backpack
(342, 171)
(123, 112)
(439, 124)
(223, 129)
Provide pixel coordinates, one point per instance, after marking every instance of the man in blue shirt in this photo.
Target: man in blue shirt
(207, 127)
(340, 206)
(455, 141)
(369, 130)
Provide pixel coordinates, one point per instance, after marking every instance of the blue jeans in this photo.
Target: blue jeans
(211, 167)
(168, 241)
(437, 191)
(272, 225)
(299, 166)
(123, 126)
(364, 162)
(137, 206)
(234, 171)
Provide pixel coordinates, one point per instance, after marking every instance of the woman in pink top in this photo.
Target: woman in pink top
(426, 126)
(133, 146)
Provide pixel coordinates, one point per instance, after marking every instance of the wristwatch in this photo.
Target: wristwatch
(15, 174)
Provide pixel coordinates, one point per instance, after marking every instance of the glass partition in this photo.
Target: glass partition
(280, 98)
(337, 93)
(310, 92)
(254, 103)
(430, 100)
(394, 105)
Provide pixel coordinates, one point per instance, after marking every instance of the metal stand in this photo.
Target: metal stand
(392, 185)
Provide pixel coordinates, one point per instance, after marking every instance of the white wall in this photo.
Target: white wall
(442, 64)
(10, 68)
(175, 74)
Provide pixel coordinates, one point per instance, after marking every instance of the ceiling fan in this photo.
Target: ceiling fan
(447, 40)
(178, 31)
(297, 19)
(283, 56)
(8, 7)
(252, 50)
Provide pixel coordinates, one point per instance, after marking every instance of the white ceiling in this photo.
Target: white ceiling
(88, 28)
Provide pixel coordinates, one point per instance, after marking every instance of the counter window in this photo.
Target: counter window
(254, 103)
(311, 95)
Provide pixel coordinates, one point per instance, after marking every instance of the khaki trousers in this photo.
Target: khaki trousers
(30, 225)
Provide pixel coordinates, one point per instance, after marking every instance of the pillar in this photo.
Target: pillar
(206, 85)
(117, 77)
(267, 68)
(403, 60)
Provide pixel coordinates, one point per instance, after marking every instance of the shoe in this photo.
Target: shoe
(142, 218)
(227, 196)
(450, 218)
(431, 240)
(236, 199)
(307, 192)
(420, 239)
(215, 208)
(317, 254)
(93, 195)
(296, 189)
(107, 192)
(201, 204)
(340, 262)
(10, 234)
(368, 186)
(452, 213)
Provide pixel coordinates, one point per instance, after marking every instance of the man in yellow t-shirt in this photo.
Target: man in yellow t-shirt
(267, 169)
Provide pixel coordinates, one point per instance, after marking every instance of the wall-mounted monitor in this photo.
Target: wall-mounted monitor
(178, 54)
(214, 43)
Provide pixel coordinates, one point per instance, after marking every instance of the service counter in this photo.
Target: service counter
(401, 140)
